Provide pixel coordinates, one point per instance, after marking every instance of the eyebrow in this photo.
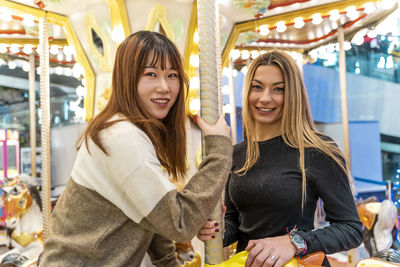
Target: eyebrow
(255, 80)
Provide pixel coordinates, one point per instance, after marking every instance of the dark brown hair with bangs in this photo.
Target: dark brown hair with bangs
(168, 135)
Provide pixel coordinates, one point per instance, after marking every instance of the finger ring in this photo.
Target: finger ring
(273, 258)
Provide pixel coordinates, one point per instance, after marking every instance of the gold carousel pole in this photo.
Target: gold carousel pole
(45, 125)
(352, 254)
(210, 96)
(32, 112)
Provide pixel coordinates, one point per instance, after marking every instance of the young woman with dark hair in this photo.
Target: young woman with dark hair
(119, 202)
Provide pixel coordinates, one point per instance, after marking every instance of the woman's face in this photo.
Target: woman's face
(158, 89)
(266, 96)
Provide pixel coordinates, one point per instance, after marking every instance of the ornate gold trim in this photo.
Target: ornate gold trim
(104, 60)
(290, 16)
(118, 14)
(159, 14)
(72, 40)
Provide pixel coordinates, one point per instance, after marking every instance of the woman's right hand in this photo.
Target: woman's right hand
(207, 232)
(209, 228)
(219, 128)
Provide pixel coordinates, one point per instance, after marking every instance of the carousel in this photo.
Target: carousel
(58, 56)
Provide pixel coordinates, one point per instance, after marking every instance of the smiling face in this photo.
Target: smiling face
(158, 89)
(266, 99)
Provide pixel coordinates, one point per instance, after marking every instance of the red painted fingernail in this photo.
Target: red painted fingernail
(216, 230)
(213, 236)
(216, 224)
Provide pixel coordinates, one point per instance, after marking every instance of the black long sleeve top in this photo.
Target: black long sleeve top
(266, 201)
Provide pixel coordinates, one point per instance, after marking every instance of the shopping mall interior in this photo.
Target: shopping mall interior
(56, 62)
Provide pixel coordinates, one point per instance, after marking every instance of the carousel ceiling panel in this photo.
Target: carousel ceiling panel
(63, 7)
(299, 28)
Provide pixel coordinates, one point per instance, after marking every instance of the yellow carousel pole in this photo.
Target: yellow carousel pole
(210, 97)
(45, 125)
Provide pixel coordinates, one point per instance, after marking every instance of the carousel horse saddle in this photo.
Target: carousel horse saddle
(386, 258)
(239, 260)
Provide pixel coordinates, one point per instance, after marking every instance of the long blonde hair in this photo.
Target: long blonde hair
(297, 126)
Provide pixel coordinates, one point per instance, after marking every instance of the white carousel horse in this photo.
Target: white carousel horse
(23, 218)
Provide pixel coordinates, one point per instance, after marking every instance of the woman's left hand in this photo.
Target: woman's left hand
(270, 251)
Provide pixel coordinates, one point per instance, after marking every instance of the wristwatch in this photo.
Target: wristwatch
(298, 242)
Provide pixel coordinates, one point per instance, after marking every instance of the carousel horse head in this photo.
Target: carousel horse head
(18, 197)
(379, 220)
(185, 252)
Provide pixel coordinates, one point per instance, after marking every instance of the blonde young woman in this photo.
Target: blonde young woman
(280, 171)
(118, 203)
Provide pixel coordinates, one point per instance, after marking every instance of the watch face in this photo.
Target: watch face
(298, 240)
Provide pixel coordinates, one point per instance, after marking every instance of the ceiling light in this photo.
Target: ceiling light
(264, 30)
(316, 18)
(280, 26)
(298, 22)
(334, 15)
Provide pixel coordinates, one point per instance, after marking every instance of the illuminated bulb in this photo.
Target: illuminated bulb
(3, 48)
(334, 15)
(226, 109)
(77, 70)
(60, 56)
(389, 62)
(387, 4)
(194, 106)
(68, 51)
(381, 63)
(298, 22)
(118, 34)
(346, 46)
(59, 71)
(26, 66)
(235, 54)
(372, 33)
(244, 70)
(351, 12)
(227, 72)
(12, 65)
(194, 60)
(80, 91)
(225, 89)
(357, 71)
(254, 54)
(369, 7)
(245, 54)
(196, 37)
(280, 26)
(6, 15)
(28, 21)
(264, 30)
(27, 49)
(54, 49)
(14, 48)
(316, 18)
(194, 83)
(262, 52)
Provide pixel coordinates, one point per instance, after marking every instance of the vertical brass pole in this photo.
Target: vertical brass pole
(32, 112)
(343, 92)
(210, 96)
(232, 102)
(45, 125)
